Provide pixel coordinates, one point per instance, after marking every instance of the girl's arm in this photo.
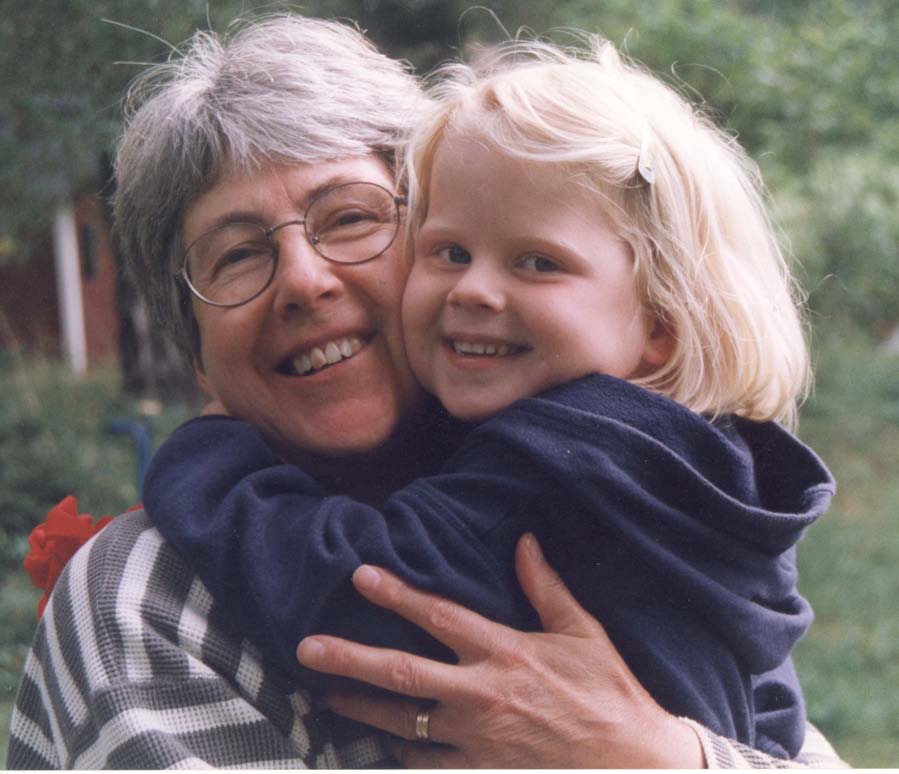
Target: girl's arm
(279, 550)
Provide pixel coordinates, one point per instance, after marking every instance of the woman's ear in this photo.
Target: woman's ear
(659, 343)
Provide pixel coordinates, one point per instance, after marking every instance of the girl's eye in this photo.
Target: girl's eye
(455, 254)
(539, 263)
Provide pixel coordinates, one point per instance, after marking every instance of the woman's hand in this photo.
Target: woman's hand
(559, 698)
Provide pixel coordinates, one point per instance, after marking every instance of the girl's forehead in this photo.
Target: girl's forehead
(471, 159)
(479, 155)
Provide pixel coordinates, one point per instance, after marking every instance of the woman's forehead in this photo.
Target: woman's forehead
(275, 190)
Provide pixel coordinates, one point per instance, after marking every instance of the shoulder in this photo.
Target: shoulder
(600, 410)
(132, 610)
(106, 649)
(135, 666)
(125, 580)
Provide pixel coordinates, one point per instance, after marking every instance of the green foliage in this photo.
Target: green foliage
(792, 78)
(849, 663)
(65, 65)
(841, 218)
(5, 714)
(18, 609)
(54, 442)
(811, 88)
(812, 91)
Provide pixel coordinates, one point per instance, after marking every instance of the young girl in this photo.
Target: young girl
(596, 285)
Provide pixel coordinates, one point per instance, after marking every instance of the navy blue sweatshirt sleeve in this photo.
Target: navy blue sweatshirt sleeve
(677, 535)
(279, 550)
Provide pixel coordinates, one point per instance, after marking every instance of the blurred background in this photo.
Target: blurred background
(811, 87)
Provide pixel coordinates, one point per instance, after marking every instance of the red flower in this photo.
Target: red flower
(55, 541)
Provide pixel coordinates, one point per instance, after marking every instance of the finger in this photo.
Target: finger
(391, 669)
(393, 715)
(462, 630)
(428, 756)
(559, 611)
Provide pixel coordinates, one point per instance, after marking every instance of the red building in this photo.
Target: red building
(62, 300)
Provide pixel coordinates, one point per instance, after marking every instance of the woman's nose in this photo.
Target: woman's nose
(304, 279)
(479, 288)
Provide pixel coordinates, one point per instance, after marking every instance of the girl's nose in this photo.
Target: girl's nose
(479, 287)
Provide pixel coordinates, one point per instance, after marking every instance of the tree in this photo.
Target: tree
(800, 82)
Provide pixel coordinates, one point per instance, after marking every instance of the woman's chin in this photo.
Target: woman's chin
(348, 434)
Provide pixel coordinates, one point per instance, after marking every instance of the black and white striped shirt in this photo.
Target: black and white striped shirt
(134, 666)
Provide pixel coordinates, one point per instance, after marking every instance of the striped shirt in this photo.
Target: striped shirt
(135, 666)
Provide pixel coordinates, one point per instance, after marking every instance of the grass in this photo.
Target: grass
(18, 604)
(848, 663)
(5, 713)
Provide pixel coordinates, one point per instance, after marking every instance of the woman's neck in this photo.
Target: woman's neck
(417, 448)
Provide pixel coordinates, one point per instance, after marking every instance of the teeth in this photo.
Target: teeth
(490, 350)
(302, 364)
(317, 356)
(332, 352)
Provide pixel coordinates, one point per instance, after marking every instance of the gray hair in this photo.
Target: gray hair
(282, 89)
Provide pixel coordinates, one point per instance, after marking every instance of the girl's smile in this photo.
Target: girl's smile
(519, 283)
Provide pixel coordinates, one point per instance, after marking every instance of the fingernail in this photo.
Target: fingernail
(530, 546)
(366, 578)
(310, 651)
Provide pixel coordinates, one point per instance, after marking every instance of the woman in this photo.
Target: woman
(133, 664)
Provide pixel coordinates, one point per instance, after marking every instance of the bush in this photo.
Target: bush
(842, 221)
(55, 441)
(849, 662)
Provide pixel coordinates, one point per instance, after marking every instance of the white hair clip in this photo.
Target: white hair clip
(644, 160)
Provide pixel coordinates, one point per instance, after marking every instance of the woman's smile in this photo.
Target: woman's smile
(316, 360)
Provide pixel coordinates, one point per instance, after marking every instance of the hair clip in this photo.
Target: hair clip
(644, 159)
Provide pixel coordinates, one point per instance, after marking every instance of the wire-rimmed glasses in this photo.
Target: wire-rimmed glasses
(233, 263)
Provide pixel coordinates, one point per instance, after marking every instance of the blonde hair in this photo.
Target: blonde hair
(706, 260)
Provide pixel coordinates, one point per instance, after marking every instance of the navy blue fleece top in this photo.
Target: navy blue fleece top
(676, 533)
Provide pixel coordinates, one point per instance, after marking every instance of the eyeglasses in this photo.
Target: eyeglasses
(233, 263)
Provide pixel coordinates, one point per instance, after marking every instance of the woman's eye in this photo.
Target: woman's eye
(539, 263)
(236, 255)
(349, 220)
(352, 217)
(454, 254)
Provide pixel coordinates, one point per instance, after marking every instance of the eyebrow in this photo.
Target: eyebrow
(248, 216)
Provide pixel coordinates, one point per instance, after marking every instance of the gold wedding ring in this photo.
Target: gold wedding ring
(423, 726)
